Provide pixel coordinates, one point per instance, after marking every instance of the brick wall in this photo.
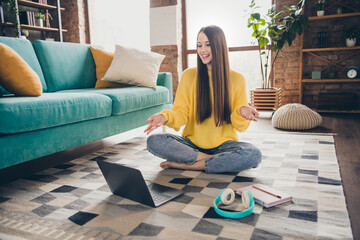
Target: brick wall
(73, 20)
(170, 63)
(287, 65)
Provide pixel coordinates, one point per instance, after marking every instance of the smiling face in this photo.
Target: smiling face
(204, 49)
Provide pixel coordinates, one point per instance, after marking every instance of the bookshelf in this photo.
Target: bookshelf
(333, 55)
(55, 31)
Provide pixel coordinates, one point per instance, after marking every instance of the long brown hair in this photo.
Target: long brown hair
(220, 72)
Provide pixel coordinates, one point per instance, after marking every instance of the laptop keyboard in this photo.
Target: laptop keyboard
(160, 197)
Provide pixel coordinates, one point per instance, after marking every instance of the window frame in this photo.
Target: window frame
(186, 51)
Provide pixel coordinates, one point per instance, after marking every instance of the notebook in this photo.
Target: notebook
(265, 195)
(129, 183)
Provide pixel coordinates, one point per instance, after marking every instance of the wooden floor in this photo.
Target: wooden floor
(347, 143)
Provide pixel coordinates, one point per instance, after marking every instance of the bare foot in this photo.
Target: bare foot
(198, 165)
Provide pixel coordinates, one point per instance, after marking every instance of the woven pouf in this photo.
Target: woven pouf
(295, 116)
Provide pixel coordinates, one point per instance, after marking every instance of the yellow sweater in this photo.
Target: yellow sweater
(206, 135)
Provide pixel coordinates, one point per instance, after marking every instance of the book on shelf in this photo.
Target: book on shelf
(40, 1)
(265, 195)
(322, 39)
(2, 20)
(27, 18)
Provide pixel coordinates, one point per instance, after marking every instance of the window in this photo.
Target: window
(231, 16)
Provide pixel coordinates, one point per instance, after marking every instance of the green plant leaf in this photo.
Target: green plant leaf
(287, 7)
(300, 5)
(304, 20)
(256, 16)
(279, 14)
(281, 27)
(280, 44)
(300, 31)
(272, 8)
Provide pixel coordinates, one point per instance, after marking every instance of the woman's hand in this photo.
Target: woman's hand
(154, 121)
(249, 113)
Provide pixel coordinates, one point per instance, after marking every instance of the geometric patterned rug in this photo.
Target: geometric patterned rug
(72, 200)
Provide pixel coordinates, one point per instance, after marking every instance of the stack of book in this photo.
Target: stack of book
(265, 195)
(27, 18)
(322, 39)
(2, 20)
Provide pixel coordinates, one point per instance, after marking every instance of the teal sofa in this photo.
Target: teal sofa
(70, 112)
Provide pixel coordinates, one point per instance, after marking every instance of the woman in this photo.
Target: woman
(211, 101)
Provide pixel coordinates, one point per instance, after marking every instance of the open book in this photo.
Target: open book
(266, 196)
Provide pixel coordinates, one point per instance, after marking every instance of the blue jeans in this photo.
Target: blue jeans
(231, 156)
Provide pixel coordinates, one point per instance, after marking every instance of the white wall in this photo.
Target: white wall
(163, 26)
(120, 22)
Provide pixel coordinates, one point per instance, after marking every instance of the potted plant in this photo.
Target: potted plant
(320, 7)
(351, 34)
(39, 19)
(24, 33)
(275, 30)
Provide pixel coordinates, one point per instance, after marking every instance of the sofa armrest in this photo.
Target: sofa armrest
(165, 79)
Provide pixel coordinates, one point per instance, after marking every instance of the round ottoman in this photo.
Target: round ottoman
(295, 116)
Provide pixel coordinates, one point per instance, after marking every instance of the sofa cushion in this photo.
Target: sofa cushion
(103, 60)
(24, 48)
(19, 114)
(66, 65)
(131, 98)
(16, 76)
(135, 67)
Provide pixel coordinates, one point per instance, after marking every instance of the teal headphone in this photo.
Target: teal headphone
(227, 196)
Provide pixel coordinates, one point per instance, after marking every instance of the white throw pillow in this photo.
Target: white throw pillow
(133, 66)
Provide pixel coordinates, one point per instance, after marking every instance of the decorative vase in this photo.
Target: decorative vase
(39, 22)
(350, 42)
(320, 13)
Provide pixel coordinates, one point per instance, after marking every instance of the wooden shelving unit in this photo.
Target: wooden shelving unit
(330, 80)
(344, 15)
(46, 7)
(37, 5)
(331, 49)
(320, 54)
(24, 26)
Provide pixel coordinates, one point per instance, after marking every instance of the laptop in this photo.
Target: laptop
(129, 183)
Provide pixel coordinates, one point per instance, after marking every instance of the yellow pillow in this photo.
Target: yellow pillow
(103, 60)
(16, 76)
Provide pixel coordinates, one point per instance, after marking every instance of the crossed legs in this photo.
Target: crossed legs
(231, 156)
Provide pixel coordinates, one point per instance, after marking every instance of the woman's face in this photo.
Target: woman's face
(204, 49)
